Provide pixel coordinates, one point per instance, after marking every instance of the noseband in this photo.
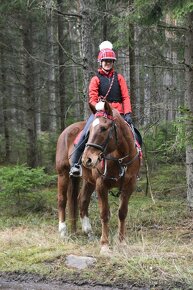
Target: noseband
(103, 147)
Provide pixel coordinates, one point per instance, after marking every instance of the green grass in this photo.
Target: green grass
(158, 249)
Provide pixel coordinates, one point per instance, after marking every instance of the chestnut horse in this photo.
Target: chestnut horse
(110, 160)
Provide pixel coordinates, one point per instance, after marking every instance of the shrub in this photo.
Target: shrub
(22, 179)
(21, 189)
(165, 143)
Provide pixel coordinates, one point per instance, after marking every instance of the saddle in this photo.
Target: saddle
(77, 138)
(138, 137)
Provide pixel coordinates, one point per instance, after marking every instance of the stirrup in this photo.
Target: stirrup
(76, 170)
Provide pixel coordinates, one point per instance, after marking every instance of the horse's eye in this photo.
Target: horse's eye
(103, 129)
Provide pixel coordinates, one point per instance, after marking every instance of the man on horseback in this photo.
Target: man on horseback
(108, 85)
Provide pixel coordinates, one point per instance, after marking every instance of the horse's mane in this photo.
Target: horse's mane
(124, 126)
(117, 114)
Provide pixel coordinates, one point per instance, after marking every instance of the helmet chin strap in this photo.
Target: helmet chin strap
(106, 71)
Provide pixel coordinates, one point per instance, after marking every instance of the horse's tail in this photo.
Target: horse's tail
(73, 191)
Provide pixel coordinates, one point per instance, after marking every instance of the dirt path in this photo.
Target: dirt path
(4, 285)
(51, 286)
(15, 281)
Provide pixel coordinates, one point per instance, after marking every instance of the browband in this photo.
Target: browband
(105, 115)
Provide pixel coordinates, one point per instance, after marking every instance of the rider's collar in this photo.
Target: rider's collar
(106, 73)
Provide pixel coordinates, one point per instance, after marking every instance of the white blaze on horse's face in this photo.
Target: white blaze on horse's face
(95, 122)
(90, 157)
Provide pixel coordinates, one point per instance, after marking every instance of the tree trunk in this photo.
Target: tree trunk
(105, 22)
(51, 68)
(29, 93)
(61, 41)
(132, 66)
(5, 107)
(147, 99)
(189, 106)
(86, 42)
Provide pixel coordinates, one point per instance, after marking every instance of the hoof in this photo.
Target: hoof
(123, 243)
(105, 251)
(62, 230)
(86, 226)
(91, 237)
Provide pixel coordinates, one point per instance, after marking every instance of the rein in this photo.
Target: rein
(122, 166)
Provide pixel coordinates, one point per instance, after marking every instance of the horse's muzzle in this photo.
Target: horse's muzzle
(90, 160)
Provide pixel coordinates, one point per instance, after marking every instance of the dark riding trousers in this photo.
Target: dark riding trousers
(83, 139)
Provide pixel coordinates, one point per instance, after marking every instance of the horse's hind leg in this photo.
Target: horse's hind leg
(63, 180)
(84, 201)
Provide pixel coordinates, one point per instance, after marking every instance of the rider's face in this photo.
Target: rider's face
(107, 64)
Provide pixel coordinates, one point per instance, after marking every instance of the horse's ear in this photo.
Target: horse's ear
(108, 109)
(92, 107)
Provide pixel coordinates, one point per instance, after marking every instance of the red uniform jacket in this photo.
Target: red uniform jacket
(125, 106)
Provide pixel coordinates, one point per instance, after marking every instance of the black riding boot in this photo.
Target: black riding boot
(76, 169)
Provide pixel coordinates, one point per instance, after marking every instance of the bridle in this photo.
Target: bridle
(120, 161)
(112, 130)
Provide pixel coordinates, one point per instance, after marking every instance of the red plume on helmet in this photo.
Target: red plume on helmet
(106, 51)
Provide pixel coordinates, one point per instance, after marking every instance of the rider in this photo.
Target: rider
(106, 84)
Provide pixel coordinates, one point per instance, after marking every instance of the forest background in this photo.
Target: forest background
(48, 52)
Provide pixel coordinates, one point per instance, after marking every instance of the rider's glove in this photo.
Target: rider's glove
(100, 106)
(128, 118)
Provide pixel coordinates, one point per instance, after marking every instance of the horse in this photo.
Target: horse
(110, 159)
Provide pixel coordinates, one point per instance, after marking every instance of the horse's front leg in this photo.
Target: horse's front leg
(63, 180)
(84, 201)
(104, 215)
(126, 192)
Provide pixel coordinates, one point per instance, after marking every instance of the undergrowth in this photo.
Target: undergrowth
(158, 249)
